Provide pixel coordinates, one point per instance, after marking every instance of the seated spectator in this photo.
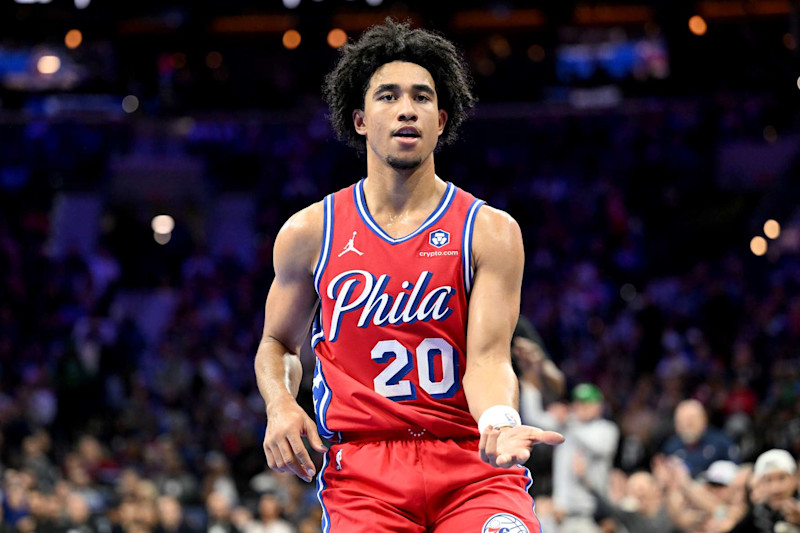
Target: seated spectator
(269, 515)
(170, 516)
(694, 442)
(219, 510)
(775, 503)
(642, 508)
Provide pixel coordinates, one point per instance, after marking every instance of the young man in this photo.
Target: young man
(397, 262)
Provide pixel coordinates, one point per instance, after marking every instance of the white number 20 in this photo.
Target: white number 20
(389, 382)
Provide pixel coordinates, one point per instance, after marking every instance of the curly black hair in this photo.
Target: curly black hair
(346, 85)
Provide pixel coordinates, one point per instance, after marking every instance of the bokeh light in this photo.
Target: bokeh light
(337, 38)
(48, 64)
(628, 292)
(163, 224)
(500, 46)
(697, 25)
(758, 245)
(214, 60)
(772, 229)
(536, 53)
(291, 39)
(130, 104)
(73, 39)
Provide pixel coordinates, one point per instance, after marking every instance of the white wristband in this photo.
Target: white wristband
(499, 416)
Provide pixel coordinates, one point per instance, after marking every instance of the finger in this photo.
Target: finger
(278, 463)
(491, 445)
(548, 437)
(290, 463)
(313, 436)
(270, 457)
(504, 460)
(482, 444)
(302, 457)
(519, 457)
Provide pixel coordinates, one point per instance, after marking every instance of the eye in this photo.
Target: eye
(386, 97)
(423, 97)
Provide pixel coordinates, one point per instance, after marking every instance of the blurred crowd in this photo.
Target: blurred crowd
(667, 355)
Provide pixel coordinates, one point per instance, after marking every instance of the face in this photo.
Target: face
(586, 411)
(690, 422)
(401, 119)
(778, 486)
(644, 488)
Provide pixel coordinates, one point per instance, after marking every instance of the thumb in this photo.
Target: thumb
(313, 437)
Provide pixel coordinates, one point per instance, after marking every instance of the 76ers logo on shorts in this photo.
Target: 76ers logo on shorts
(438, 237)
(504, 523)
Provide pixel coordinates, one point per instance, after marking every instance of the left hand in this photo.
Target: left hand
(791, 511)
(509, 446)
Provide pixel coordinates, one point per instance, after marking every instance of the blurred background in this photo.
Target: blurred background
(151, 150)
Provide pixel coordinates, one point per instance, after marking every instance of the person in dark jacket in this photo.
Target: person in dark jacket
(776, 507)
(694, 442)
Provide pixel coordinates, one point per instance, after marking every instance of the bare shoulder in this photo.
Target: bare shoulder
(497, 234)
(299, 241)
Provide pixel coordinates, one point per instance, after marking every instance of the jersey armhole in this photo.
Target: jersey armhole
(327, 240)
(466, 244)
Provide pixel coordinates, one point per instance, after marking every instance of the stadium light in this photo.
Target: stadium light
(758, 245)
(697, 25)
(130, 103)
(48, 64)
(772, 229)
(73, 39)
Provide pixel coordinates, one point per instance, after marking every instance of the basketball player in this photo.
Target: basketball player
(413, 287)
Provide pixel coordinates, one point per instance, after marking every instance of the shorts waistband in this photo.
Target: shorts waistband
(398, 434)
(413, 433)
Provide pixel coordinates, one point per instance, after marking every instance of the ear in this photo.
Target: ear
(442, 120)
(358, 122)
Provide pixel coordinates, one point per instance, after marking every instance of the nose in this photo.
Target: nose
(406, 112)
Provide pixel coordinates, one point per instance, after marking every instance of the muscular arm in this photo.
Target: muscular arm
(493, 312)
(289, 310)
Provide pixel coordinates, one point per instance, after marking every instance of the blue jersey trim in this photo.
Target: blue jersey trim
(527, 491)
(322, 400)
(363, 212)
(466, 244)
(327, 240)
(317, 333)
(321, 486)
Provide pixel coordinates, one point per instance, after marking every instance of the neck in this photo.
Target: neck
(396, 190)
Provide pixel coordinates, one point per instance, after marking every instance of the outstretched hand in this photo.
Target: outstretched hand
(283, 443)
(510, 446)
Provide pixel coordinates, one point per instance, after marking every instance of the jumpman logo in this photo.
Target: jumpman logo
(350, 247)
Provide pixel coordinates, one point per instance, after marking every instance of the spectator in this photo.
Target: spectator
(694, 442)
(78, 515)
(270, 516)
(590, 439)
(776, 507)
(170, 516)
(643, 507)
(219, 508)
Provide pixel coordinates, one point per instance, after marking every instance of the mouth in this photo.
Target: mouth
(406, 132)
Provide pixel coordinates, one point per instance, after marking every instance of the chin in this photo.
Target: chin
(398, 163)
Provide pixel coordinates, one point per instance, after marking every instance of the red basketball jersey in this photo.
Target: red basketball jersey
(390, 333)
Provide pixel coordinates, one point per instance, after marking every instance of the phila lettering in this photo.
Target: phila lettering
(355, 290)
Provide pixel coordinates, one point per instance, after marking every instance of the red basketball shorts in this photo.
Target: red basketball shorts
(420, 485)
